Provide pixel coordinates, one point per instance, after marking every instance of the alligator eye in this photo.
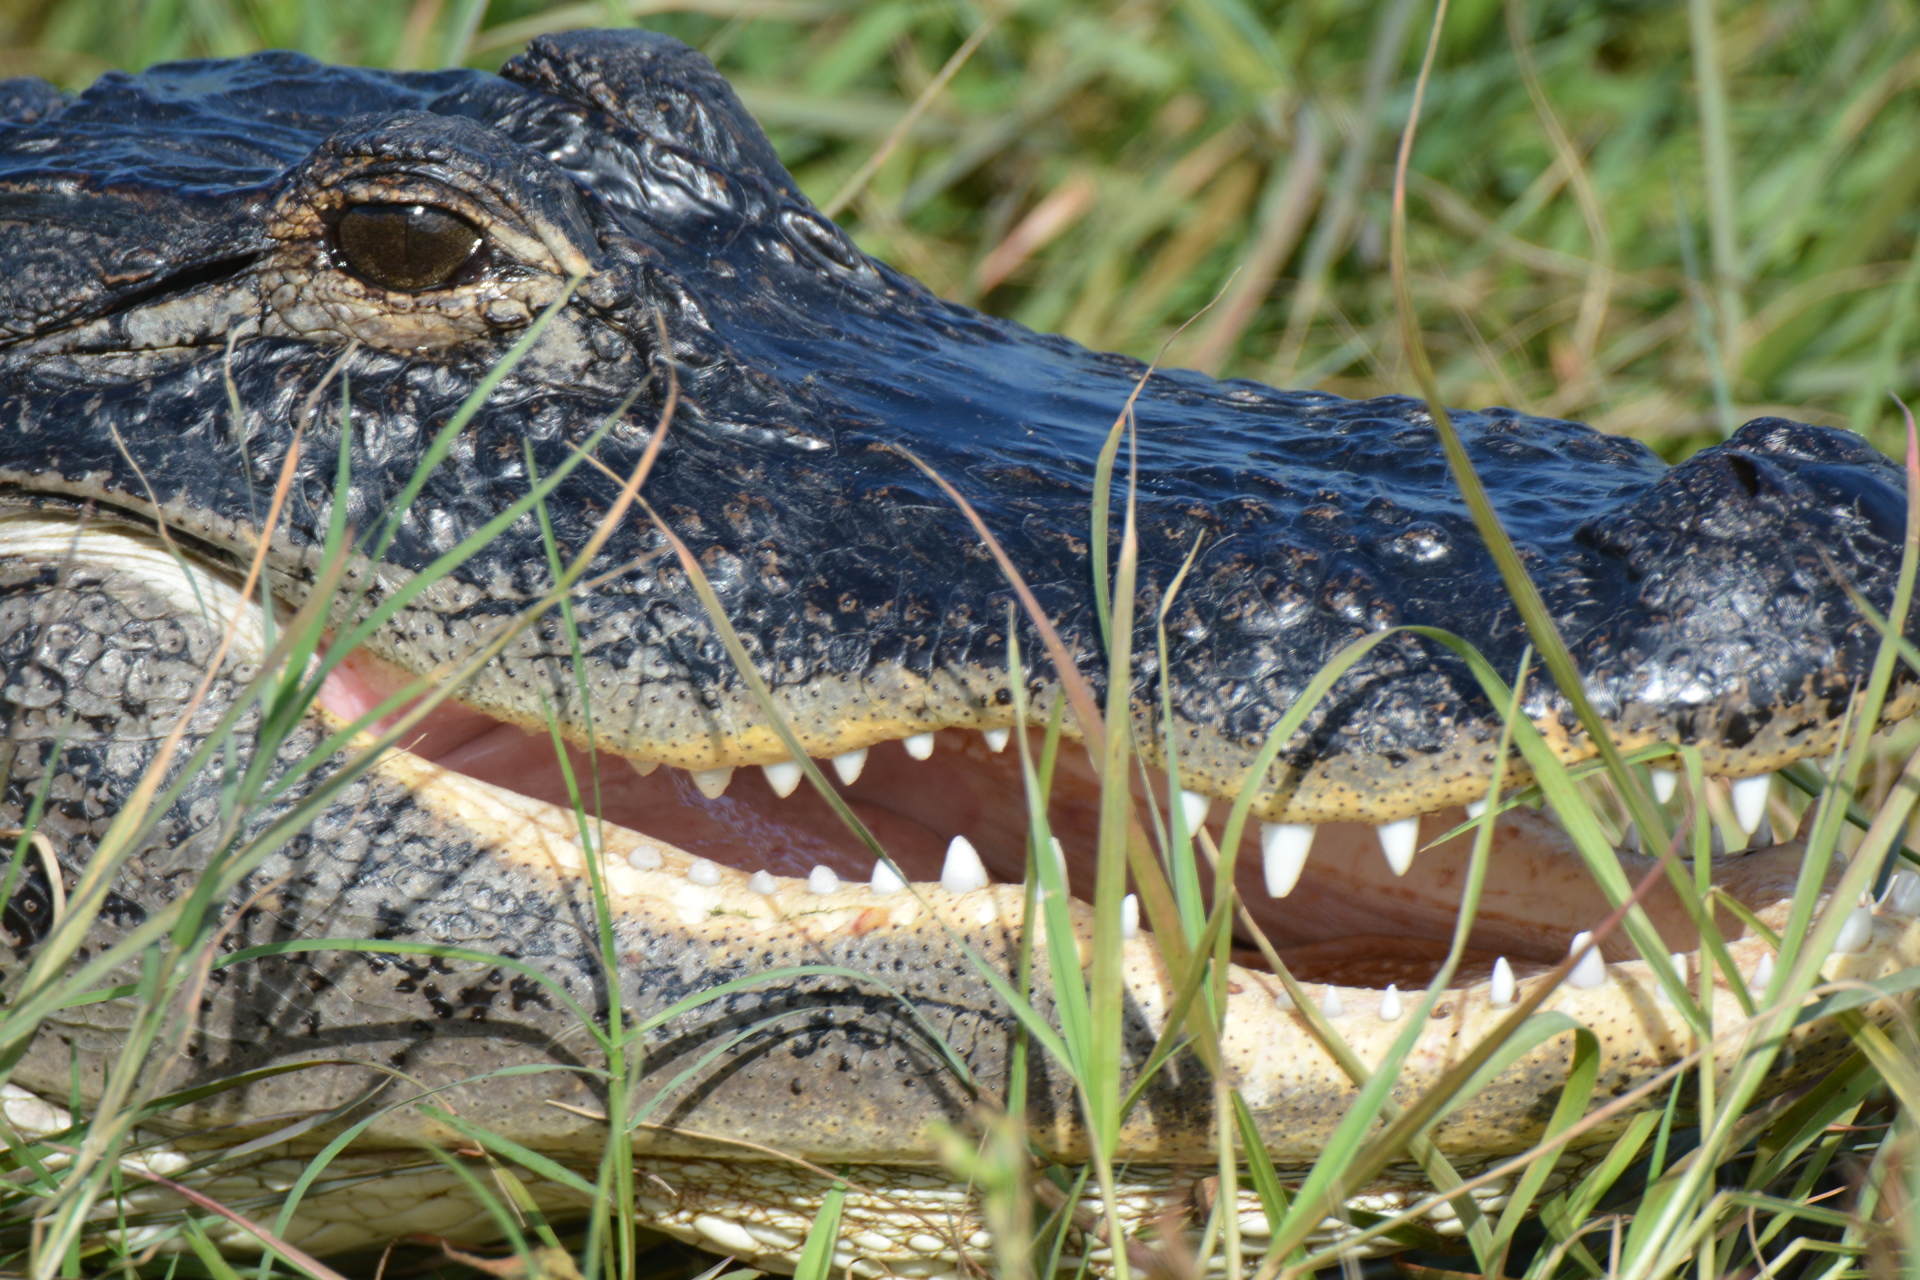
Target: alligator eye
(408, 247)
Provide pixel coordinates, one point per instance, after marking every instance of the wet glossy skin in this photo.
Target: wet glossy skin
(156, 216)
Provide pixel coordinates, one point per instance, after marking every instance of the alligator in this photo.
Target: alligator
(247, 311)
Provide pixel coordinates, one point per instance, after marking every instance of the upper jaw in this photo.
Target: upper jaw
(1706, 604)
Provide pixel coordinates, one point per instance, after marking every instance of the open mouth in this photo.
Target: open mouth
(1348, 905)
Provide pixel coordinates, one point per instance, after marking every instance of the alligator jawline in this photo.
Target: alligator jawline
(1350, 920)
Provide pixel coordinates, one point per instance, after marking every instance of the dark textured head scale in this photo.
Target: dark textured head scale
(399, 231)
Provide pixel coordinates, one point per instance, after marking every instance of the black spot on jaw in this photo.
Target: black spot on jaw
(29, 912)
(1744, 726)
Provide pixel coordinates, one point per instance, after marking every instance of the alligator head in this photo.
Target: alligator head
(223, 276)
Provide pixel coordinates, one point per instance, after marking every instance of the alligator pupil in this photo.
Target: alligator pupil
(409, 247)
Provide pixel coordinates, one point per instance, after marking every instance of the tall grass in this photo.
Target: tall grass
(1104, 172)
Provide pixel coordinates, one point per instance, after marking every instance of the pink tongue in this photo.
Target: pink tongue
(748, 827)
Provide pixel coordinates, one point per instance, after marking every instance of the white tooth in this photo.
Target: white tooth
(1903, 892)
(1059, 855)
(1679, 963)
(762, 882)
(712, 782)
(1130, 917)
(1762, 834)
(1398, 840)
(1665, 782)
(1592, 969)
(644, 857)
(783, 776)
(1750, 801)
(963, 872)
(886, 879)
(1283, 850)
(1477, 808)
(1281, 1000)
(1630, 838)
(1194, 806)
(1856, 933)
(644, 767)
(1762, 974)
(919, 746)
(1330, 1003)
(996, 738)
(848, 765)
(823, 881)
(700, 871)
(1717, 843)
(1390, 1004)
(1501, 991)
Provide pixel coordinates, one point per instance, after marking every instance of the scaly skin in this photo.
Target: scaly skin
(162, 234)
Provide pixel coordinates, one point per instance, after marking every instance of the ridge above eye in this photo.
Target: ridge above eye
(406, 247)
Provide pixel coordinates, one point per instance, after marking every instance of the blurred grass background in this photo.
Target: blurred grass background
(1662, 217)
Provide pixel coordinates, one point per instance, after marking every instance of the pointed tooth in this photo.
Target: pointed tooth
(1390, 1004)
(1283, 850)
(1750, 801)
(1194, 806)
(762, 882)
(1592, 969)
(644, 857)
(848, 765)
(1477, 808)
(1716, 843)
(886, 879)
(712, 782)
(1630, 838)
(1281, 1000)
(643, 767)
(1679, 962)
(1762, 974)
(1398, 840)
(822, 881)
(996, 739)
(783, 776)
(1903, 892)
(1331, 1004)
(700, 871)
(919, 746)
(1502, 989)
(963, 872)
(1856, 933)
(1130, 917)
(1665, 783)
(1763, 834)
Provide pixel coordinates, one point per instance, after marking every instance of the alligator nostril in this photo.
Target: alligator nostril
(1746, 472)
(1883, 506)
